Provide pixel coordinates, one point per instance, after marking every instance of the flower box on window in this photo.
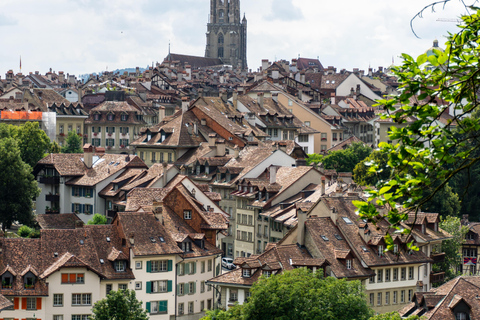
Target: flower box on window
(324, 139)
(62, 134)
(122, 146)
(109, 134)
(108, 148)
(95, 134)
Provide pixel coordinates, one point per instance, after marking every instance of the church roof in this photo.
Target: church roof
(194, 61)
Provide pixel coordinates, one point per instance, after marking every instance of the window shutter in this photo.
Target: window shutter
(149, 287)
(148, 307)
(178, 289)
(73, 277)
(64, 277)
(163, 306)
(73, 208)
(39, 303)
(82, 191)
(218, 270)
(194, 268)
(83, 208)
(149, 266)
(187, 268)
(24, 303)
(169, 286)
(194, 287)
(169, 265)
(16, 303)
(185, 287)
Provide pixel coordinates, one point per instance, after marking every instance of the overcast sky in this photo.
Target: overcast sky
(85, 36)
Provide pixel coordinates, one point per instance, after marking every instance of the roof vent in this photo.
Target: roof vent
(161, 239)
(102, 261)
(339, 237)
(108, 239)
(364, 248)
(153, 239)
(324, 238)
(55, 254)
(82, 242)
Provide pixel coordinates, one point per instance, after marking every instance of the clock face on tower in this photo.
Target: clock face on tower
(227, 33)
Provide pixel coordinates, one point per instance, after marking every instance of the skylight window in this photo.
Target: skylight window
(364, 248)
(324, 238)
(161, 239)
(339, 237)
(347, 220)
(153, 239)
(108, 239)
(102, 261)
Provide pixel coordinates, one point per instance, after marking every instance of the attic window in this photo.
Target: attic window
(161, 239)
(153, 239)
(347, 220)
(82, 242)
(246, 273)
(108, 239)
(96, 117)
(364, 248)
(120, 266)
(339, 237)
(324, 238)
(102, 261)
(110, 117)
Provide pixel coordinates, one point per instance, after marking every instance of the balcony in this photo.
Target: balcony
(49, 180)
(52, 197)
(437, 277)
(438, 257)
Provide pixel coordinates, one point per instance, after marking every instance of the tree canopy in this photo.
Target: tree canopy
(97, 219)
(32, 141)
(73, 143)
(301, 294)
(119, 305)
(18, 187)
(342, 160)
(433, 147)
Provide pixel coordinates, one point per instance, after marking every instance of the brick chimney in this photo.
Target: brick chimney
(260, 99)
(88, 151)
(301, 218)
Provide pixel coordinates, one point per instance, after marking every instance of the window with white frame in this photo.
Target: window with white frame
(122, 286)
(411, 272)
(181, 307)
(58, 299)
(138, 285)
(395, 274)
(138, 265)
(80, 316)
(187, 214)
(159, 265)
(395, 297)
(190, 307)
(55, 317)
(380, 275)
(349, 264)
(246, 273)
(31, 303)
(159, 306)
(233, 295)
(120, 266)
(379, 299)
(160, 286)
(81, 299)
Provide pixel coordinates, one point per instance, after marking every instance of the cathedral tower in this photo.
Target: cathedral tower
(227, 34)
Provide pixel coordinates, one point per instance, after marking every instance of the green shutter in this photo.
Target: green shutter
(83, 208)
(194, 287)
(163, 306)
(73, 207)
(185, 288)
(218, 270)
(178, 289)
(187, 268)
(148, 307)
(149, 287)
(149, 266)
(194, 268)
(170, 263)
(169, 286)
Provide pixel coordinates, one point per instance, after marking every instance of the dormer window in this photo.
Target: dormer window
(186, 246)
(380, 250)
(162, 137)
(110, 117)
(267, 273)
(29, 280)
(246, 273)
(395, 248)
(149, 136)
(124, 117)
(120, 266)
(423, 228)
(96, 117)
(349, 263)
(461, 316)
(7, 280)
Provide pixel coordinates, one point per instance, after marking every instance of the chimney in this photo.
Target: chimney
(164, 177)
(301, 218)
(236, 152)
(358, 89)
(260, 99)
(185, 104)
(132, 239)
(275, 96)
(61, 76)
(273, 174)
(265, 64)
(158, 211)
(88, 151)
(200, 92)
(161, 113)
(323, 185)
(235, 98)
(195, 128)
(223, 95)
(211, 139)
(332, 98)
(419, 286)
(220, 148)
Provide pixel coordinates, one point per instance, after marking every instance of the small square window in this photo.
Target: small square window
(187, 214)
(138, 265)
(138, 285)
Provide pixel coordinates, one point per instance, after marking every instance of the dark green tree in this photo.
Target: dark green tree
(97, 219)
(55, 148)
(73, 143)
(18, 187)
(393, 316)
(32, 141)
(314, 158)
(119, 305)
(302, 294)
(362, 174)
(346, 160)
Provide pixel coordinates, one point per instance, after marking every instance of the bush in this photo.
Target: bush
(24, 231)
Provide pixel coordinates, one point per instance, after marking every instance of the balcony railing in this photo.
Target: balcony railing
(437, 277)
(438, 257)
(50, 180)
(52, 197)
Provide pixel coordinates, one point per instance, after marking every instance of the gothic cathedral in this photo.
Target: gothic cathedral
(226, 34)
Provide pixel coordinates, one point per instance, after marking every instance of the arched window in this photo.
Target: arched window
(220, 38)
(220, 52)
(221, 15)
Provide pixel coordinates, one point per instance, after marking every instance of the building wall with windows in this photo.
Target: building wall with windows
(65, 124)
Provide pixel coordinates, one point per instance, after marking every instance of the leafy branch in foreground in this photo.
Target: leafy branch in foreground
(430, 146)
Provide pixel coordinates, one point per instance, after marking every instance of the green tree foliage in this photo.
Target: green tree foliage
(54, 148)
(119, 305)
(430, 152)
(24, 231)
(97, 219)
(314, 158)
(17, 186)
(32, 141)
(452, 247)
(302, 294)
(364, 177)
(233, 313)
(73, 143)
(445, 201)
(346, 160)
(393, 316)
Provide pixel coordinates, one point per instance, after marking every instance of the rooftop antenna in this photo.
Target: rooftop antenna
(168, 47)
(20, 64)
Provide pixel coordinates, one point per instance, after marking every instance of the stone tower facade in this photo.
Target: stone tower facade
(227, 34)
